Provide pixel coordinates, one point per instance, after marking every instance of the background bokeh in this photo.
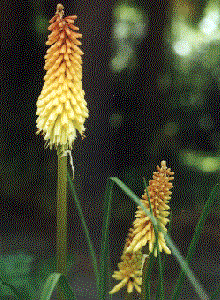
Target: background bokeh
(151, 74)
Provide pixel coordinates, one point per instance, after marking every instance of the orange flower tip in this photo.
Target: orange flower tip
(60, 7)
(163, 163)
(71, 17)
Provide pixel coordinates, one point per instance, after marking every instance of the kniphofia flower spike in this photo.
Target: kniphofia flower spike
(131, 266)
(61, 107)
(159, 193)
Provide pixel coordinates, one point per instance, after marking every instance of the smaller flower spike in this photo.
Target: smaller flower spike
(159, 193)
(61, 107)
(130, 269)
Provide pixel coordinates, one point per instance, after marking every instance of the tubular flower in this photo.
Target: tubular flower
(130, 269)
(61, 107)
(159, 193)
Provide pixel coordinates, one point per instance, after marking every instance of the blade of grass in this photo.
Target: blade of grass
(105, 241)
(199, 227)
(183, 263)
(134, 197)
(109, 276)
(51, 283)
(89, 241)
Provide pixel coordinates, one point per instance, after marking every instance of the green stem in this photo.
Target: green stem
(61, 220)
(145, 287)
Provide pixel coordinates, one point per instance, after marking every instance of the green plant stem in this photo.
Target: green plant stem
(61, 220)
(145, 287)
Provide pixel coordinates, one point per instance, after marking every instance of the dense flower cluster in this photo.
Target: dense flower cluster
(130, 269)
(61, 107)
(159, 193)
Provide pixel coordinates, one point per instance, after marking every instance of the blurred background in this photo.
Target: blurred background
(151, 75)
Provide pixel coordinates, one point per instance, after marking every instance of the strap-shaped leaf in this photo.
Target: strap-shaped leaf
(86, 230)
(104, 263)
(199, 227)
(51, 284)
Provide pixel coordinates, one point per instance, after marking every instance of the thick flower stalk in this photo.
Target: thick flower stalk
(159, 193)
(61, 107)
(130, 269)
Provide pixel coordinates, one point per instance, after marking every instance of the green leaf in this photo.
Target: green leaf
(51, 284)
(89, 241)
(135, 198)
(104, 269)
(199, 227)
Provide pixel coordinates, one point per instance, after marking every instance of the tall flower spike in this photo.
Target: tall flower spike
(61, 107)
(130, 269)
(159, 193)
